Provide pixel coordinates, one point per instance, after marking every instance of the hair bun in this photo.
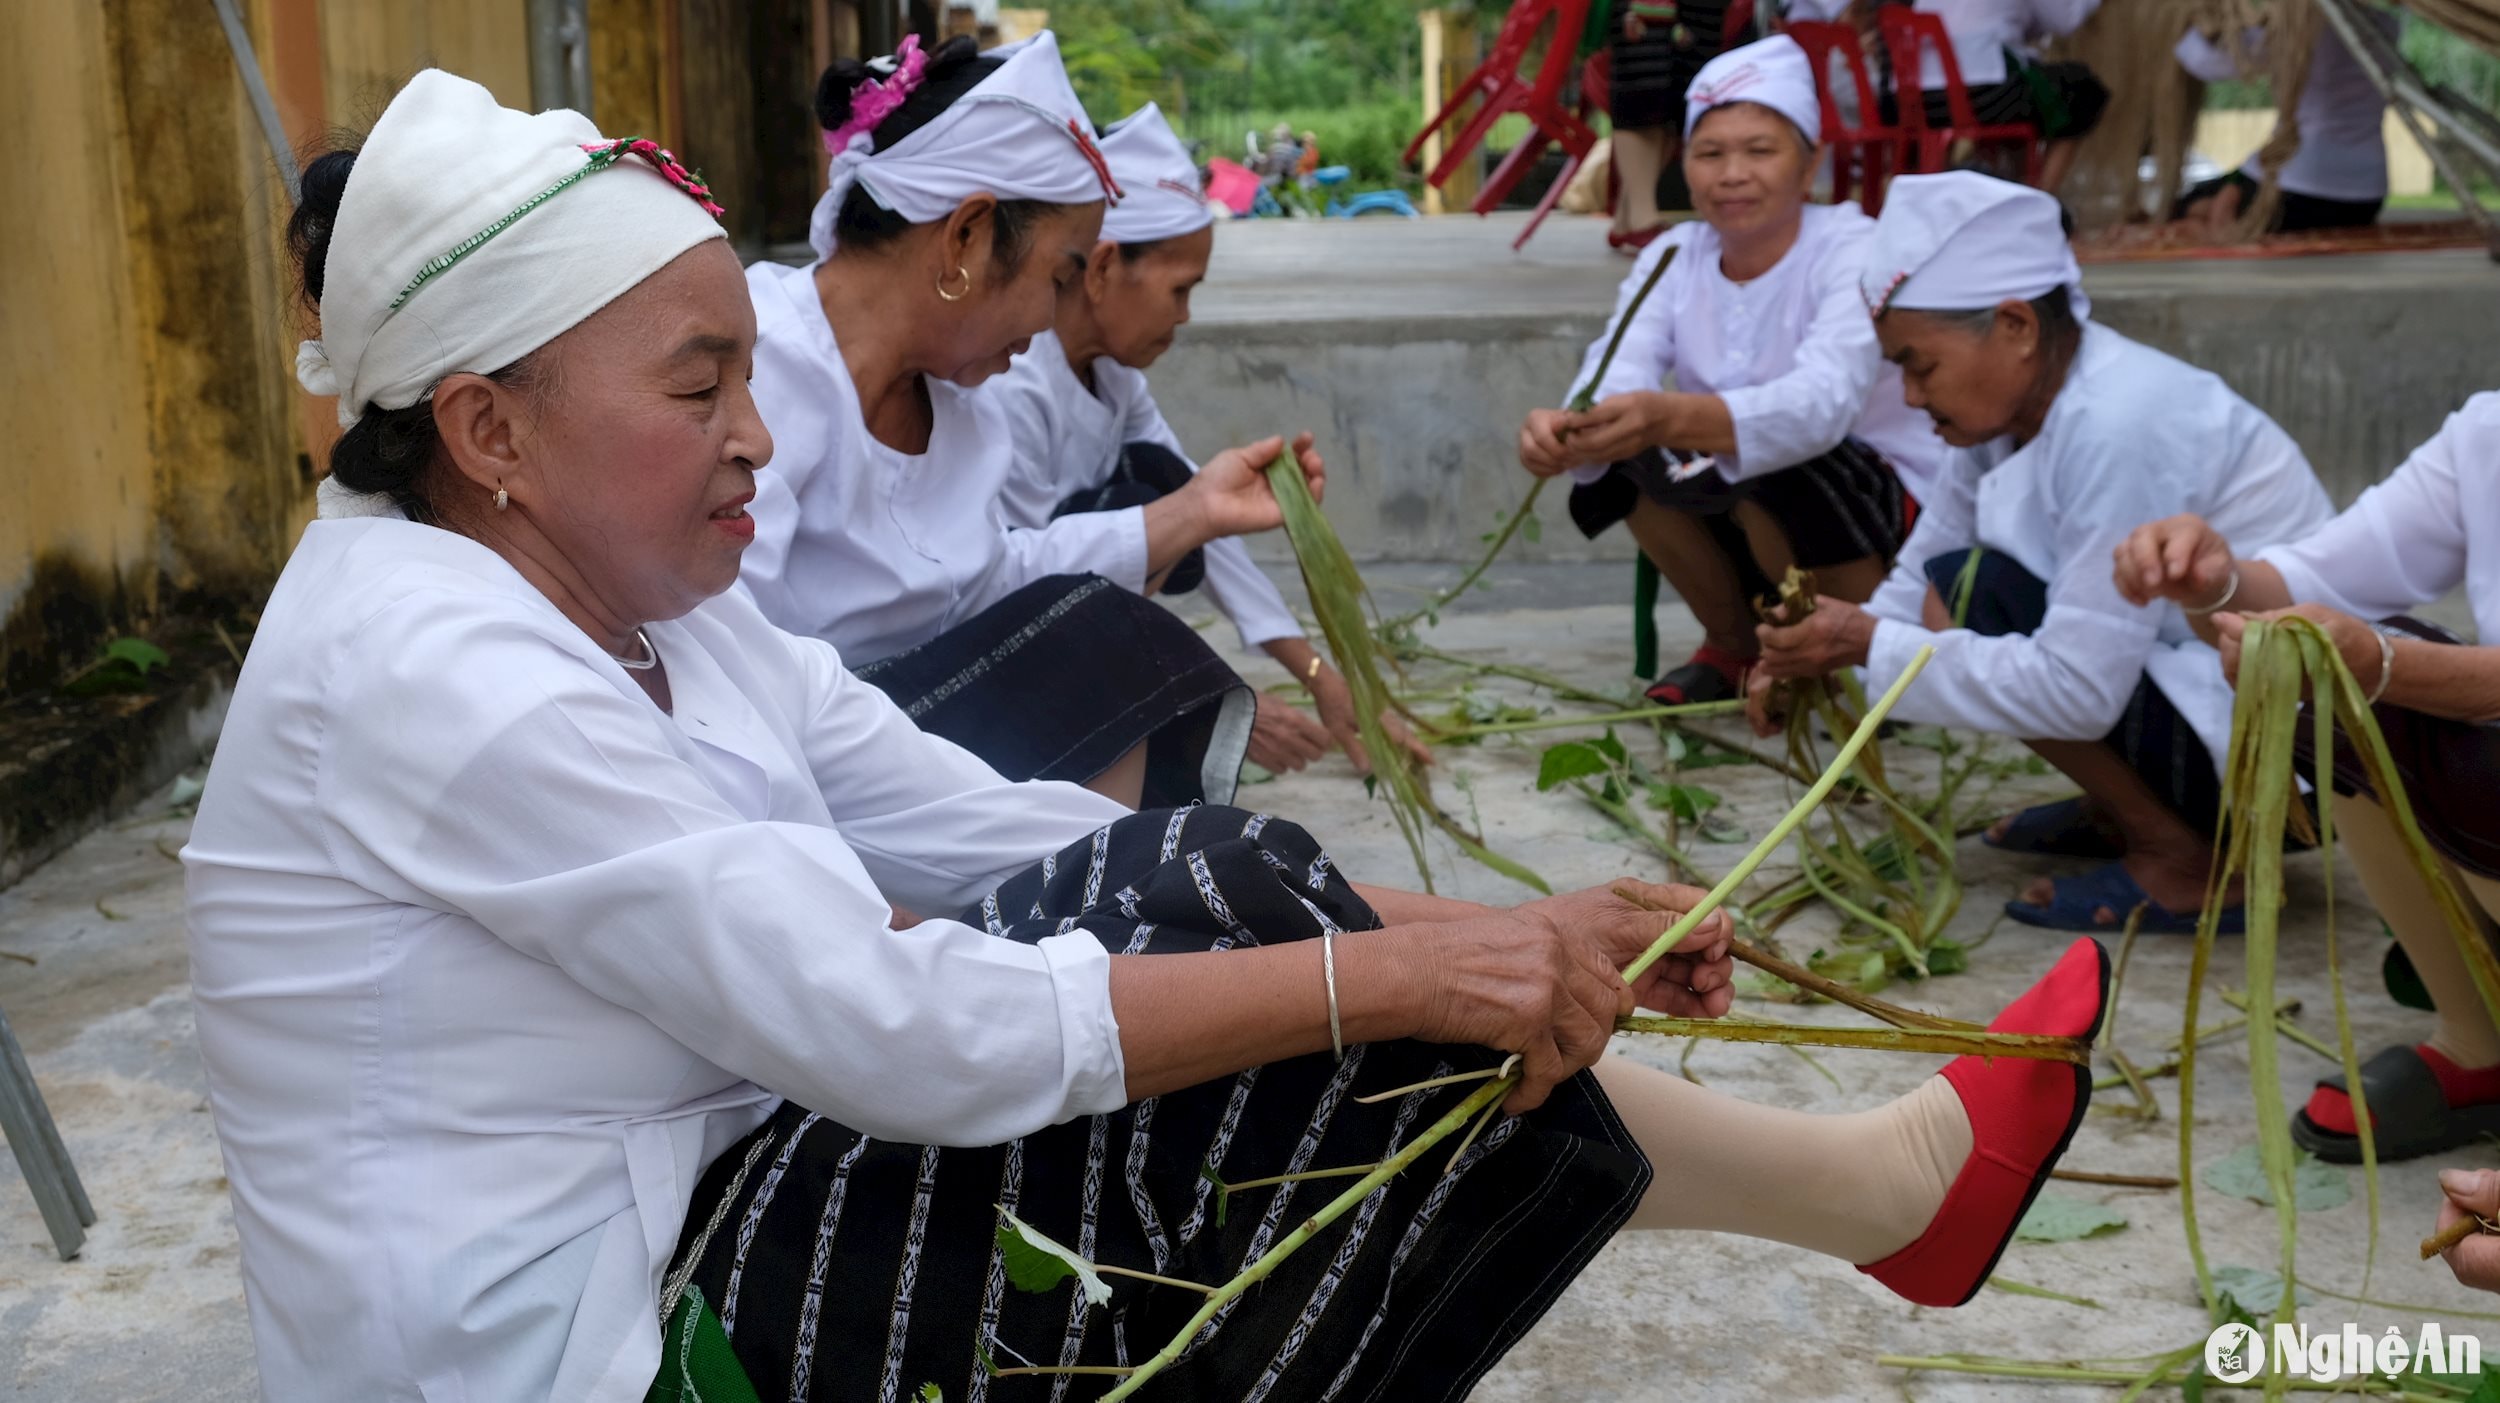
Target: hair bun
(323, 186)
(954, 68)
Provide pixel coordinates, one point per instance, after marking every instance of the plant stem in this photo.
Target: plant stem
(1114, 1370)
(1347, 1171)
(2037, 1047)
(1336, 1208)
(2024, 1289)
(1813, 983)
(1778, 836)
(1109, 1270)
(1452, 1079)
(2240, 1002)
(2123, 1181)
(2075, 1373)
(1550, 723)
(2450, 1236)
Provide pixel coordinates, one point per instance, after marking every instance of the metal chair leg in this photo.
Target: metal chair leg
(41, 1157)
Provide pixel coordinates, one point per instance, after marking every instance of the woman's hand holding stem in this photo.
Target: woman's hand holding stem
(1542, 980)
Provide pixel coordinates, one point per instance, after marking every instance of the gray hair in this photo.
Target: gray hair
(2055, 310)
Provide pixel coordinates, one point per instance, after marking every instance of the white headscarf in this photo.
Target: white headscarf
(1161, 194)
(471, 235)
(1961, 241)
(1020, 134)
(1772, 71)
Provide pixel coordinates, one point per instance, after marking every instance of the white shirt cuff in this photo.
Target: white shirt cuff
(1094, 1075)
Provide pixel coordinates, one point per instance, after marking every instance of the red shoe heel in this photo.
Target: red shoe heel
(2022, 1115)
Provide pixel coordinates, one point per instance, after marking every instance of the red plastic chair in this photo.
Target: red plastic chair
(1496, 85)
(1864, 156)
(1905, 30)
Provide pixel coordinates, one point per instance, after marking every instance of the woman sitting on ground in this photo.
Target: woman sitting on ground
(1995, 45)
(2338, 177)
(1089, 438)
(2433, 525)
(537, 867)
(966, 193)
(1785, 441)
(2070, 437)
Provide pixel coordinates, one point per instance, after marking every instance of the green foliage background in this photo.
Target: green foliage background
(1344, 69)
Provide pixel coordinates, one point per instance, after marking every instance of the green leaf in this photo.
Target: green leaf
(2058, 1218)
(1252, 772)
(1687, 802)
(1677, 748)
(931, 1393)
(2253, 1292)
(2488, 1391)
(1572, 759)
(2315, 1185)
(137, 654)
(1532, 527)
(1612, 749)
(1946, 956)
(1036, 1263)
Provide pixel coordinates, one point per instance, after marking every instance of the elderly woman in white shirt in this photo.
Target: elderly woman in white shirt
(2433, 525)
(536, 867)
(966, 192)
(2070, 437)
(1784, 441)
(1088, 436)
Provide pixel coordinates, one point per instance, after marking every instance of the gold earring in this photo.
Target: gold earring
(503, 499)
(961, 272)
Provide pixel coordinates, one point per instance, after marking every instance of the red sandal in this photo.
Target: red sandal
(2022, 1115)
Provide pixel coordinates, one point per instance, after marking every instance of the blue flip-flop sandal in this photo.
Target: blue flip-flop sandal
(2074, 902)
(2062, 829)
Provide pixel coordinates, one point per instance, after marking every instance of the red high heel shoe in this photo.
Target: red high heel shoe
(2022, 1114)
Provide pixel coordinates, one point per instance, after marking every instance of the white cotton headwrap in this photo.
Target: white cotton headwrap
(1772, 71)
(445, 164)
(1961, 241)
(1020, 134)
(1161, 196)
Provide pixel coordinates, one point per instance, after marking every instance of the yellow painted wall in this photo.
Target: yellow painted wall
(370, 47)
(157, 442)
(76, 507)
(2230, 135)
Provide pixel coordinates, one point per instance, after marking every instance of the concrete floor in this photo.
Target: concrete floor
(152, 1310)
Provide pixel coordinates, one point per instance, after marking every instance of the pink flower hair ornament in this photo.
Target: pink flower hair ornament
(874, 100)
(606, 153)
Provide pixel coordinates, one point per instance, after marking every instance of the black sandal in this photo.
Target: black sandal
(2411, 1113)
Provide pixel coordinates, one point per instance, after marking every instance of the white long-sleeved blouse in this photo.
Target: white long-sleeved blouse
(2432, 524)
(2134, 436)
(1792, 353)
(492, 956)
(876, 550)
(1983, 31)
(1068, 438)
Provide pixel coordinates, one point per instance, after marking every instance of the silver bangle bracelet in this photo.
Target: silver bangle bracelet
(2229, 593)
(2386, 665)
(1328, 964)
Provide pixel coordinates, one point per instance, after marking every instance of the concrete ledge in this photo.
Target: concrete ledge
(69, 764)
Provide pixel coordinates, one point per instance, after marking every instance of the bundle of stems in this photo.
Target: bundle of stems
(1581, 399)
(2280, 662)
(1478, 1106)
(1341, 603)
(1903, 885)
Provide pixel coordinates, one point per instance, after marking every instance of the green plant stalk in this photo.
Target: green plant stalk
(1813, 983)
(2018, 1288)
(2240, 1001)
(2069, 1373)
(1898, 936)
(1629, 819)
(1338, 601)
(2322, 739)
(2034, 1047)
(1773, 840)
(1581, 399)
(1552, 723)
(1251, 1275)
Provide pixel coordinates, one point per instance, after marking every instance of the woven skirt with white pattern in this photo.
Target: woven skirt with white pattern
(845, 1268)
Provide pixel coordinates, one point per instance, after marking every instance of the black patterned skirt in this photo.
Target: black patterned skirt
(844, 1268)
(1066, 675)
(2443, 765)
